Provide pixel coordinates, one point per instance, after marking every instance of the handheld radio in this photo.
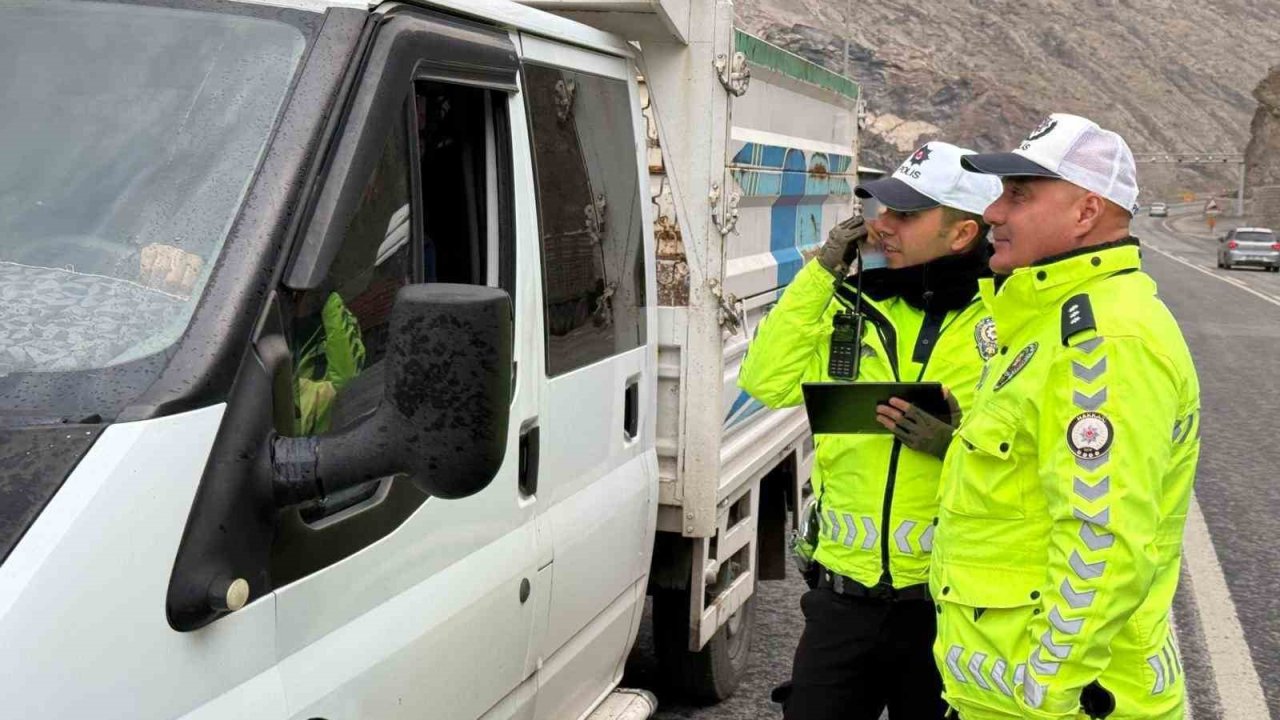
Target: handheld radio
(847, 328)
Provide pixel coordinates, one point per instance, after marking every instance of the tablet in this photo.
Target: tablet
(850, 408)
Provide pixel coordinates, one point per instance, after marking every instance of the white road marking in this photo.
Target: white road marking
(1239, 688)
(1232, 281)
(1234, 674)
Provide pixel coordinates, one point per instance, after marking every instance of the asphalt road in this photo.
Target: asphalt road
(1227, 611)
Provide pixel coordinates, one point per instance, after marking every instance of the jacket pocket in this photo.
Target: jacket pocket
(983, 478)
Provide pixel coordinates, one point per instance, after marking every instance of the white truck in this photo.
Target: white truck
(378, 359)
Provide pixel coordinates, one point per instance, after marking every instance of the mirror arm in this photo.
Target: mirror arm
(295, 463)
(310, 468)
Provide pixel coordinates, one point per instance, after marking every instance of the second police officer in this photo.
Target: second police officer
(869, 621)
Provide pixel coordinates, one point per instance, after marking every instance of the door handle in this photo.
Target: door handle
(631, 409)
(528, 472)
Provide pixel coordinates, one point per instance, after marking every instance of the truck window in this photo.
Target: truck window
(589, 215)
(340, 328)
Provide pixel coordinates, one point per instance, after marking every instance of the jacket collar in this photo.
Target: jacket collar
(1018, 299)
(940, 285)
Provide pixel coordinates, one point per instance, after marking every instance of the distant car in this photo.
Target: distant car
(1158, 209)
(1249, 246)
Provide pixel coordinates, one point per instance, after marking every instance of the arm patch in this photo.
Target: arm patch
(1077, 316)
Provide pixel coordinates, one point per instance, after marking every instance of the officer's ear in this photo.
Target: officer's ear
(1090, 210)
(963, 234)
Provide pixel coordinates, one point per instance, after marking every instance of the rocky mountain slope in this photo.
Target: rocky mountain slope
(1170, 75)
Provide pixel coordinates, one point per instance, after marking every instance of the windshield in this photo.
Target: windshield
(1255, 237)
(128, 139)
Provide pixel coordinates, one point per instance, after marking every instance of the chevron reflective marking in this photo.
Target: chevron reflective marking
(851, 530)
(1157, 665)
(953, 663)
(1168, 663)
(1101, 519)
(997, 676)
(835, 525)
(900, 535)
(926, 539)
(1173, 645)
(1086, 571)
(1191, 422)
(1063, 625)
(1059, 652)
(1089, 403)
(1093, 539)
(1019, 673)
(869, 539)
(1075, 599)
(1094, 492)
(975, 669)
(1042, 666)
(1089, 374)
(1033, 693)
(1088, 346)
(1092, 464)
(1177, 430)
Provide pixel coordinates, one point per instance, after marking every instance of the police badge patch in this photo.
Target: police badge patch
(1089, 435)
(1019, 361)
(984, 335)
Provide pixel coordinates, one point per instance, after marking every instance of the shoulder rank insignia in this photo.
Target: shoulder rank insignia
(1077, 316)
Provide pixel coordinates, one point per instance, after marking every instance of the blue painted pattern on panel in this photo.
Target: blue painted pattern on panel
(744, 407)
(799, 183)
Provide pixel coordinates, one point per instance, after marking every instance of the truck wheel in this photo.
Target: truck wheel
(710, 675)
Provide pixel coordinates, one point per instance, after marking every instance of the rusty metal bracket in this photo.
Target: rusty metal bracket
(734, 74)
(732, 316)
(726, 221)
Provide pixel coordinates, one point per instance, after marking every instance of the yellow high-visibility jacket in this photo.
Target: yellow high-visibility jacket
(878, 498)
(1064, 497)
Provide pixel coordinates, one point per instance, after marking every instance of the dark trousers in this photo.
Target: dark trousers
(858, 656)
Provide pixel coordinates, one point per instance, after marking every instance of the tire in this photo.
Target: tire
(712, 674)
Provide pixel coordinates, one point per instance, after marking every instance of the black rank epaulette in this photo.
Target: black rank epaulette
(1077, 317)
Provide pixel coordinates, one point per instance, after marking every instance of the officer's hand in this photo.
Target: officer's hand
(916, 428)
(836, 253)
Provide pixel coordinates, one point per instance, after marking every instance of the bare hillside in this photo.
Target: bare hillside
(1170, 76)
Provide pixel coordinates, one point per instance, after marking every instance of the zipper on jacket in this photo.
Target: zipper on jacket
(886, 575)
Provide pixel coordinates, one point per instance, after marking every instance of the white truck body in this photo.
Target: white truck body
(645, 471)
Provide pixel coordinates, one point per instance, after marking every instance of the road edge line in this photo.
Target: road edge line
(1234, 673)
(1260, 295)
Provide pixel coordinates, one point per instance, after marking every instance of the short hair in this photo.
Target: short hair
(951, 216)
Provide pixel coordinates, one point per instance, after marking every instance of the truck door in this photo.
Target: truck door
(392, 604)
(597, 483)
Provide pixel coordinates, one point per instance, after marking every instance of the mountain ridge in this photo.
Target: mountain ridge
(1169, 76)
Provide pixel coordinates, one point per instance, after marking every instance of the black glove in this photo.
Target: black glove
(1097, 701)
(925, 433)
(838, 251)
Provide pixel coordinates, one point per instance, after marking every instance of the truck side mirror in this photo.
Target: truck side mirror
(443, 416)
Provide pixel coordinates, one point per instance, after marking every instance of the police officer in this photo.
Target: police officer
(1057, 548)
(869, 623)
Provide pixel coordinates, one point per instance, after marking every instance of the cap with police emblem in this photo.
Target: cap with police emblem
(932, 177)
(1071, 148)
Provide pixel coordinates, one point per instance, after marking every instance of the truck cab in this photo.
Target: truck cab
(331, 356)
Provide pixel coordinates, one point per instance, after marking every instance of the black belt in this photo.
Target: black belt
(849, 587)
